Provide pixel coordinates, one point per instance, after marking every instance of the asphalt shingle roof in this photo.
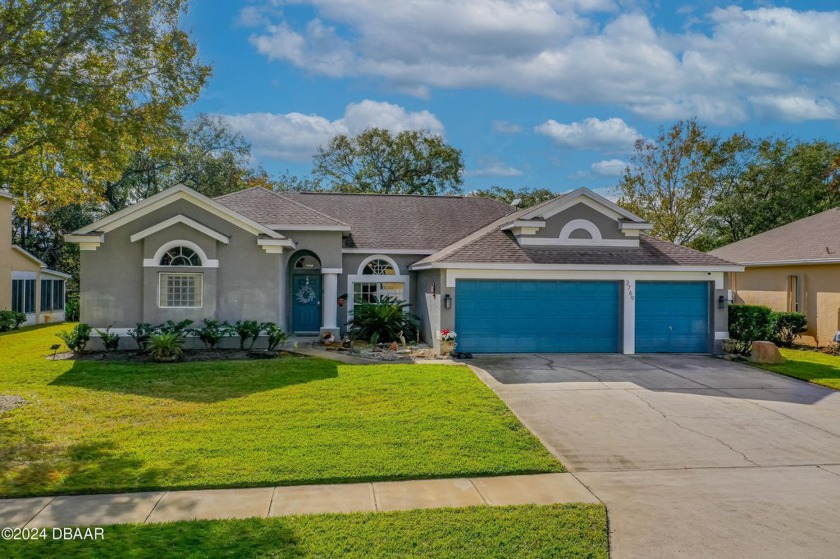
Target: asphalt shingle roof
(500, 247)
(271, 209)
(404, 221)
(812, 238)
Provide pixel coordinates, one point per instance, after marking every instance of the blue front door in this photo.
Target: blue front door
(306, 302)
(672, 317)
(537, 316)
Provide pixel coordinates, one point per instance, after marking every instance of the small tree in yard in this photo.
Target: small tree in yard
(747, 324)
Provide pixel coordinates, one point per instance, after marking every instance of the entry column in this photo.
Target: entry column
(629, 314)
(329, 304)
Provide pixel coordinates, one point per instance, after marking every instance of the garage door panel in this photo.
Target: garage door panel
(672, 317)
(536, 316)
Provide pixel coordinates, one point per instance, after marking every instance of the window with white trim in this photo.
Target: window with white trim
(180, 290)
(378, 278)
(180, 256)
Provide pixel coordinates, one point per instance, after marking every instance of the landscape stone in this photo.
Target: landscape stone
(765, 352)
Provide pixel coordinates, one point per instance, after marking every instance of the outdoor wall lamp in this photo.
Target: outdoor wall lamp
(724, 300)
(447, 301)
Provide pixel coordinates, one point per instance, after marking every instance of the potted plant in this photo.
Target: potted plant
(447, 341)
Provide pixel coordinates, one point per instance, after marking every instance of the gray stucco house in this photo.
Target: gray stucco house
(574, 274)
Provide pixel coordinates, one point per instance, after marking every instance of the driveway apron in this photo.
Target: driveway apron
(694, 456)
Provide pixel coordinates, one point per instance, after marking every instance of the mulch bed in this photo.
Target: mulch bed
(190, 355)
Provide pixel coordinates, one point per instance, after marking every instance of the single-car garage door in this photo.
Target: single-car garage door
(672, 317)
(537, 316)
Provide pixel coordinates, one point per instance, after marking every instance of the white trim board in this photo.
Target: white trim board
(576, 275)
(791, 262)
(162, 199)
(180, 218)
(154, 262)
(389, 251)
(587, 268)
(538, 241)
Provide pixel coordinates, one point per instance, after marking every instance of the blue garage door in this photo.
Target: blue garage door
(531, 316)
(672, 317)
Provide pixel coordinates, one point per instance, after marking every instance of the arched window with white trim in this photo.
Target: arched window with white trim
(181, 289)
(378, 278)
(180, 256)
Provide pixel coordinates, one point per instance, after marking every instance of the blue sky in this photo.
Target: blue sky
(540, 93)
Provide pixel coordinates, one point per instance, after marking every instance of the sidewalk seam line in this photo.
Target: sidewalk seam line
(375, 500)
(154, 507)
(480, 494)
(271, 501)
(28, 522)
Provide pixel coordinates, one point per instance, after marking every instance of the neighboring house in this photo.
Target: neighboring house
(26, 285)
(574, 274)
(795, 267)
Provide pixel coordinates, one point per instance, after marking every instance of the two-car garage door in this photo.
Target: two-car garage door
(497, 316)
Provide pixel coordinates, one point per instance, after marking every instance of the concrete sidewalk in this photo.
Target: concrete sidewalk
(167, 506)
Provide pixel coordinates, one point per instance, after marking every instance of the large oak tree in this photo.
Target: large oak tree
(84, 85)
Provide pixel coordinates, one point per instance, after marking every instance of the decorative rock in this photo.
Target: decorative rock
(427, 353)
(765, 352)
(393, 346)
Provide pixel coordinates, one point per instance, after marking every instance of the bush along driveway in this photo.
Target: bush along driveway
(97, 427)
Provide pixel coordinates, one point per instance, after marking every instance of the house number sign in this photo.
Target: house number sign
(629, 290)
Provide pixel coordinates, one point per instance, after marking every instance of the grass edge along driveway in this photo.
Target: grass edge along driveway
(811, 366)
(100, 427)
(516, 532)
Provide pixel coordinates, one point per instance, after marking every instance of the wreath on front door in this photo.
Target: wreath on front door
(306, 295)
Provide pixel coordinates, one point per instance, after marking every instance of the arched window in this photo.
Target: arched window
(307, 262)
(379, 267)
(180, 256)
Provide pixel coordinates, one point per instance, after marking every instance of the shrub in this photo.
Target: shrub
(166, 346)
(276, 335)
(786, 326)
(748, 323)
(77, 338)
(247, 330)
(72, 308)
(385, 320)
(141, 334)
(212, 332)
(111, 340)
(11, 320)
(172, 327)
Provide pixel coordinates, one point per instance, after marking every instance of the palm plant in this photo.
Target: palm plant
(383, 320)
(166, 346)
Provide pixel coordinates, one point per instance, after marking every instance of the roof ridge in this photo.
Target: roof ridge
(465, 241)
(338, 221)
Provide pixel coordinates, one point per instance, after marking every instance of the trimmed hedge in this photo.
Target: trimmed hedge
(750, 323)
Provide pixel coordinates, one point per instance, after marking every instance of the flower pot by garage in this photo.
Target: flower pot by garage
(446, 347)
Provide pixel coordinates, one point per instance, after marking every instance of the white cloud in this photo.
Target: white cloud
(795, 108)
(591, 134)
(494, 170)
(608, 168)
(296, 136)
(505, 127)
(587, 51)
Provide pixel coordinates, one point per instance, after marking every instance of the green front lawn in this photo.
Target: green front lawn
(556, 531)
(107, 427)
(813, 366)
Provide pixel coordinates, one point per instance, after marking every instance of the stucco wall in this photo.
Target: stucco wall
(116, 289)
(767, 285)
(607, 225)
(429, 304)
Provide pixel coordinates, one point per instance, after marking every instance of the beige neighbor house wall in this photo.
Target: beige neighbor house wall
(5, 251)
(820, 294)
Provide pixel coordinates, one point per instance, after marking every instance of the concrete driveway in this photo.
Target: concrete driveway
(694, 456)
